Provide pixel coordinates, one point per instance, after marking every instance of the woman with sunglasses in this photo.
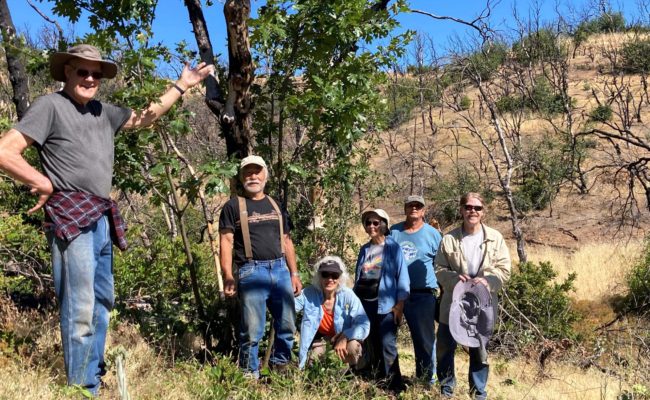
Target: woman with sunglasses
(471, 252)
(332, 313)
(382, 284)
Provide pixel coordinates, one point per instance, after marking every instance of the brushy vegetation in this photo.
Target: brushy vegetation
(601, 113)
(537, 46)
(535, 306)
(635, 56)
(638, 282)
(544, 168)
(542, 98)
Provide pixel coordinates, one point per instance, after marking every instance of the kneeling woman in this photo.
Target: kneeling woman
(331, 313)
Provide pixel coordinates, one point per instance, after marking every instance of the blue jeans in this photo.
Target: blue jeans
(478, 366)
(381, 346)
(265, 284)
(419, 311)
(83, 281)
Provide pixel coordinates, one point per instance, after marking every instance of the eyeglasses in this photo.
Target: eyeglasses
(372, 222)
(83, 73)
(469, 207)
(328, 275)
(417, 206)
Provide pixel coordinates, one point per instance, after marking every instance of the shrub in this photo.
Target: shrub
(24, 257)
(607, 22)
(541, 45)
(601, 113)
(484, 63)
(542, 99)
(534, 293)
(465, 103)
(543, 170)
(638, 283)
(636, 56)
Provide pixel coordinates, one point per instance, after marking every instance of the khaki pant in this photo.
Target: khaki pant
(319, 346)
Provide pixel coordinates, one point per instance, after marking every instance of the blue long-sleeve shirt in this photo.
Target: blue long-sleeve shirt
(349, 317)
(394, 284)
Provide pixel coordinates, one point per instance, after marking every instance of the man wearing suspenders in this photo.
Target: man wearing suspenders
(254, 235)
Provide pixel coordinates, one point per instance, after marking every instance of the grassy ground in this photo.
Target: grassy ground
(35, 370)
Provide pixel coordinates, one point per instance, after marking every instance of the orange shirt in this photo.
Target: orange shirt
(326, 327)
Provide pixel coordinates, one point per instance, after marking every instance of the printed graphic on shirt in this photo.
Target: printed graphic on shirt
(409, 250)
(371, 269)
(256, 218)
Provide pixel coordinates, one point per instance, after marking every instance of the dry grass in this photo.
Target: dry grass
(600, 267)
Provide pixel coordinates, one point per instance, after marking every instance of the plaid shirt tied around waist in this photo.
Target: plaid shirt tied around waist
(71, 212)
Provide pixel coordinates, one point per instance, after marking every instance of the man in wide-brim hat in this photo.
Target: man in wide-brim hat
(74, 135)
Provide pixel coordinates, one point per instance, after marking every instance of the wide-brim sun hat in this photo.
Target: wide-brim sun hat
(471, 315)
(380, 213)
(88, 52)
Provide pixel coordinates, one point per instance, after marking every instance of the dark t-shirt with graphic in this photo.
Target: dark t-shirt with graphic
(264, 227)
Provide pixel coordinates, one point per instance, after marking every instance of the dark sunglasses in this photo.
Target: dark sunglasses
(327, 275)
(417, 206)
(469, 207)
(83, 73)
(372, 223)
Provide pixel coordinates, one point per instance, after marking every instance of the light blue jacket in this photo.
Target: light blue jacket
(349, 317)
(394, 284)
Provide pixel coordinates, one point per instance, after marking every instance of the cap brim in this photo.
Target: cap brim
(59, 60)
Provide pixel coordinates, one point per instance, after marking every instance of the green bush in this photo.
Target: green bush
(465, 103)
(533, 295)
(541, 45)
(607, 22)
(638, 283)
(601, 113)
(636, 56)
(485, 63)
(542, 99)
(543, 170)
(509, 104)
(22, 248)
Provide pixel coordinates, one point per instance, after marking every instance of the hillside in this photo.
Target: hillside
(596, 234)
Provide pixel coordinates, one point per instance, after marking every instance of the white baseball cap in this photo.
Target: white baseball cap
(256, 160)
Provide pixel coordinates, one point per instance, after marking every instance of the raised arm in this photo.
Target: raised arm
(188, 79)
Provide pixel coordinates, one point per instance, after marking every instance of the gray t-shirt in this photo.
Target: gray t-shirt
(471, 245)
(75, 142)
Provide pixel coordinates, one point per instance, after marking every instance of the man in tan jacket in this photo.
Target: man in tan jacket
(473, 252)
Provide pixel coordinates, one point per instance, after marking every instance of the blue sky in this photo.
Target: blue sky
(172, 24)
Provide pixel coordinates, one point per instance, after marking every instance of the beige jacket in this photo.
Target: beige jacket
(450, 263)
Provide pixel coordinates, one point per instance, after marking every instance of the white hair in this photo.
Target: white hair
(343, 279)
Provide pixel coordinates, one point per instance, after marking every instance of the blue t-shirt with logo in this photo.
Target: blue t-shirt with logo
(419, 249)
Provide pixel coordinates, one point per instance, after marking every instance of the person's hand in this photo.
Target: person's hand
(44, 192)
(340, 343)
(481, 280)
(296, 284)
(398, 313)
(229, 287)
(464, 277)
(191, 76)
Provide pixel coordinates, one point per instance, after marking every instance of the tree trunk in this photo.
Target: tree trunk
(232, 112)
(17, 74)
